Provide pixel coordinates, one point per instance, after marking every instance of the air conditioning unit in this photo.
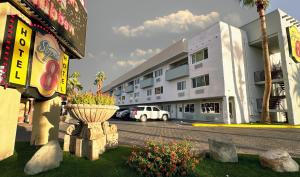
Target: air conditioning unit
(200, 91)
(181, 94)
(200, 65)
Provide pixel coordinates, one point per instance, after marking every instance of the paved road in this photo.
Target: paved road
(247, 140)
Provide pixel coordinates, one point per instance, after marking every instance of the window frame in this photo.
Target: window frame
(208, 105)
(182, 85)
(189, 108)
(149, 92)
(158, 73)
(200, 81)
(204, 55)
(159, 90)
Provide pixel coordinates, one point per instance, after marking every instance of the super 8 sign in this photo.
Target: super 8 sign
(41, 65)
(294, 43)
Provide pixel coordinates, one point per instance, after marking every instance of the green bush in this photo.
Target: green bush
(90, 98)
(164, 159)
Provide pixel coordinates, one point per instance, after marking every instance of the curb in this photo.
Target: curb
(247, 126)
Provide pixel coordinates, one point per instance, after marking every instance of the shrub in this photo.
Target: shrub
(90, 98)
(164, 159)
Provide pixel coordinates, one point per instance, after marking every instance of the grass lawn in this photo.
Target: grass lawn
(112, 164)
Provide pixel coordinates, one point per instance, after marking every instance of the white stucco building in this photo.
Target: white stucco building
(218, 75)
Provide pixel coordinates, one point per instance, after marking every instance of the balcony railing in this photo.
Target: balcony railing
(276, 74)
(129, 89)
(147, 83)
(177, 72)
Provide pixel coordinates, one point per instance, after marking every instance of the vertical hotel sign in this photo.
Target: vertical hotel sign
(16, 52)
(294, 43)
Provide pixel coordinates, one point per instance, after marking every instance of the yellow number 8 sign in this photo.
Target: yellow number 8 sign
(294, 43)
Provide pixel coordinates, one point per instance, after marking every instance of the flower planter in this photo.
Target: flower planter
(92, 137)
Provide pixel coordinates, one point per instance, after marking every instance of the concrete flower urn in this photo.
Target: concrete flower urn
(93, 134)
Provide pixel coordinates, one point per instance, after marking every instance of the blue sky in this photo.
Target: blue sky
(123, 34)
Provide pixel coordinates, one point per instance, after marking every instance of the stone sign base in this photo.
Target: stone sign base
(105, 137)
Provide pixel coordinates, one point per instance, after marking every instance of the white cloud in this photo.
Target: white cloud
(178, 22)
(130, 63)
(144, 53)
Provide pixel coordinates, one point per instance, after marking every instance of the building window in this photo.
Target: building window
(159, 90)
(200, 55)
(189, 108)
(181, 85)
(158, 73)
(136, 95)
(210, 108)
(200, 81)
(149, 92)
(123, 98)
(136, 81)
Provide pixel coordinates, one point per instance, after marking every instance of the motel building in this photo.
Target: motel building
(217, 76)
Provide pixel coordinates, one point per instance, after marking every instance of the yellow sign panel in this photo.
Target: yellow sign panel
(21, 52)
(49, 66)
(294, 43)
(64, 75)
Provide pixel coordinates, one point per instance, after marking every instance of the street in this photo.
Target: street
(247, 140)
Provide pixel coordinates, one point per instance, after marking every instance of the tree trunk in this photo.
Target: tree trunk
(265, 116)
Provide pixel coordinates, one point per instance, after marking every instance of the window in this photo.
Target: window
(200, 81)
(159, 90)
(148, 109)
(210, 108)
(137, 81)
(181, 85)
(136, 95)
(200, 55)
(189, 108)
(158, 73)
(123, 98)
(155, 109)
(149, 92)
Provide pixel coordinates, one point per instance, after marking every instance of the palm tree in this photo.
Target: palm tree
(73, 84)
(262, 5)
(100, 77)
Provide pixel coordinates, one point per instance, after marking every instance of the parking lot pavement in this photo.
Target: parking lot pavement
(248, 140)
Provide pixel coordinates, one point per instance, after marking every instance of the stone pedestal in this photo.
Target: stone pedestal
(46, 117)
(9, 110)
(90, 148)
(91, 139)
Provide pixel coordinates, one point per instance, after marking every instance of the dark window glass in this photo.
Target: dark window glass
(155, 109)
(205, 53)
(149, 109)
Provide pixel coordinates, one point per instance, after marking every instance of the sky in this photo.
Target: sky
(121, 34)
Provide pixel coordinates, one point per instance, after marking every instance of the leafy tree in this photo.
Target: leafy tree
(73, 84)
(261, 6)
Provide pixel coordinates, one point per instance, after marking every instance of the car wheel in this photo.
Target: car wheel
(143, 118)
(165, 117)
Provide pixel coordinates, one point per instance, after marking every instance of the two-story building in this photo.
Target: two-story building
(218, 75)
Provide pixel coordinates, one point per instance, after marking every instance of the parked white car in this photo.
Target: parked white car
(143, 113)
